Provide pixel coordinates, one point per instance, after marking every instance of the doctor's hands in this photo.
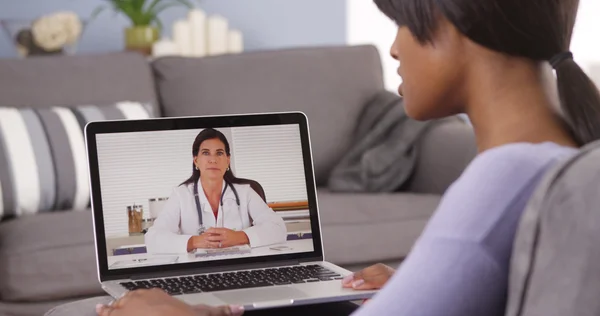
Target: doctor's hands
(217, 238)
(226, 237)
(371, 278)
(201, 242)
(156, 302)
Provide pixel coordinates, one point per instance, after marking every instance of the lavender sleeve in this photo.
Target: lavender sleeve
(460, 264)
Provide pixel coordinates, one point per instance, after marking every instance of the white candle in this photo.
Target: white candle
(183, 37)
(164, 47)
(197, 20)
(236, 42)
(217, 35)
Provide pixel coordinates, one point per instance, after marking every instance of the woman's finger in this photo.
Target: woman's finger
(104, 310)
(347, 280)
(361, 285)
(124, 298)
(359, 275)
(232, 310)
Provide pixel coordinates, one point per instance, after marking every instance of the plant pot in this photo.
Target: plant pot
(141, 39)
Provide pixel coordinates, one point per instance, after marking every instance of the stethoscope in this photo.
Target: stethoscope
(199, 208)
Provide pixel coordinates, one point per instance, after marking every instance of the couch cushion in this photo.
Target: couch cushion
(556, 253)
(30, 308)
(85, 307)
(43, 165)
(48, 256)
(444, 152)
(330, 85)
(72, 80)
(372, 227)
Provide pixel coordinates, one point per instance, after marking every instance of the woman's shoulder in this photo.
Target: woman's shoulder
(492, 192)
(499, 176)
(517, 160)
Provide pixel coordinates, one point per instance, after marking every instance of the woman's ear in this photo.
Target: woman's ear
(195, 161)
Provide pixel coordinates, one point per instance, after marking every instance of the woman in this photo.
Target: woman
(494, 61)
(213, 208)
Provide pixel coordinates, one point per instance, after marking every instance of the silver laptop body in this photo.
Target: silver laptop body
(122, 261)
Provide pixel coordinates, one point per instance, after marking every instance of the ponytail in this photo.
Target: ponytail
(580, 101)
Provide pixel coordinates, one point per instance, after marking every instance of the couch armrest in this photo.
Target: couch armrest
(444, 152)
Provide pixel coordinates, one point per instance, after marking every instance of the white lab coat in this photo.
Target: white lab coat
(178, 221)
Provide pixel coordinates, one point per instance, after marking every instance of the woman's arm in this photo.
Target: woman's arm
(267, 227)
(164, 235)
(443, 277)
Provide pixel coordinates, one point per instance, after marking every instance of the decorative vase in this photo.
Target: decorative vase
(60, 38)
(141, 39)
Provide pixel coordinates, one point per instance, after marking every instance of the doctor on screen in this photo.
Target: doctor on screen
(213, 208)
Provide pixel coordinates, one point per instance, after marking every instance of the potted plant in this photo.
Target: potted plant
(146, 25)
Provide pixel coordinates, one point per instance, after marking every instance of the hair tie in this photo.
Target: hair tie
(559, 58)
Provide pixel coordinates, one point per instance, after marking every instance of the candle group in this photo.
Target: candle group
(200, 35)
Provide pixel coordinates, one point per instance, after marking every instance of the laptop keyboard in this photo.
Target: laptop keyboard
(237, 280)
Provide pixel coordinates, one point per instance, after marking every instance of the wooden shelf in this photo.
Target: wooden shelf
(289, 206)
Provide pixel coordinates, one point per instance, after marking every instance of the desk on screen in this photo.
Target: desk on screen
(144, 260)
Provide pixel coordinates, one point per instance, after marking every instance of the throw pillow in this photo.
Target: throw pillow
(43, 163)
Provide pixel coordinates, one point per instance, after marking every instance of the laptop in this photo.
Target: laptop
(136, 165)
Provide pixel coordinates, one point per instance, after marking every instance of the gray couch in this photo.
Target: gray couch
(49, 259)
(554, 263)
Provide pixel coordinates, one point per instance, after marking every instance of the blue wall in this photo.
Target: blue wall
(266, 24)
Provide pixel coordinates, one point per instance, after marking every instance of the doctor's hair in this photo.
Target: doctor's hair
(210, 133)
(539, 30)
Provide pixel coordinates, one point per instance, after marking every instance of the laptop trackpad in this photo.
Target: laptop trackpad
(250, 296)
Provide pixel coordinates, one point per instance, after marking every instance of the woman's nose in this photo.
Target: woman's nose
(394, 52)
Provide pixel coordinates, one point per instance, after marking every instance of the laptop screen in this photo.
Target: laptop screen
(195, 195)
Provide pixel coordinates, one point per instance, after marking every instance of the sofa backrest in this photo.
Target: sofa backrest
(445, 150)
(76, 80)
(556, 255)
(330, 85)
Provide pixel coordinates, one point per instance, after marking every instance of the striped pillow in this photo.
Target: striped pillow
(43, 166)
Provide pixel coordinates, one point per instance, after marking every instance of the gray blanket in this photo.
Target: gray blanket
(384, 155)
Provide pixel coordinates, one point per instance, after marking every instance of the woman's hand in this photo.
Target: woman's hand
(371, 278)
(156, 302)
(225, 237)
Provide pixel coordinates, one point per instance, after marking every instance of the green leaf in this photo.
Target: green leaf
(185, 3)
(172, 3)
(96, 12)
(128, 7)
(159, 25)
(153, 5)
(138, 5)
(142, 15)
(163, 7)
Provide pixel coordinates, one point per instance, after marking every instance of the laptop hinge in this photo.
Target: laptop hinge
(317, 259)
(249, 266)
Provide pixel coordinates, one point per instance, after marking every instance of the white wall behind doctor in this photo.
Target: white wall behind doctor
(135, 167)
